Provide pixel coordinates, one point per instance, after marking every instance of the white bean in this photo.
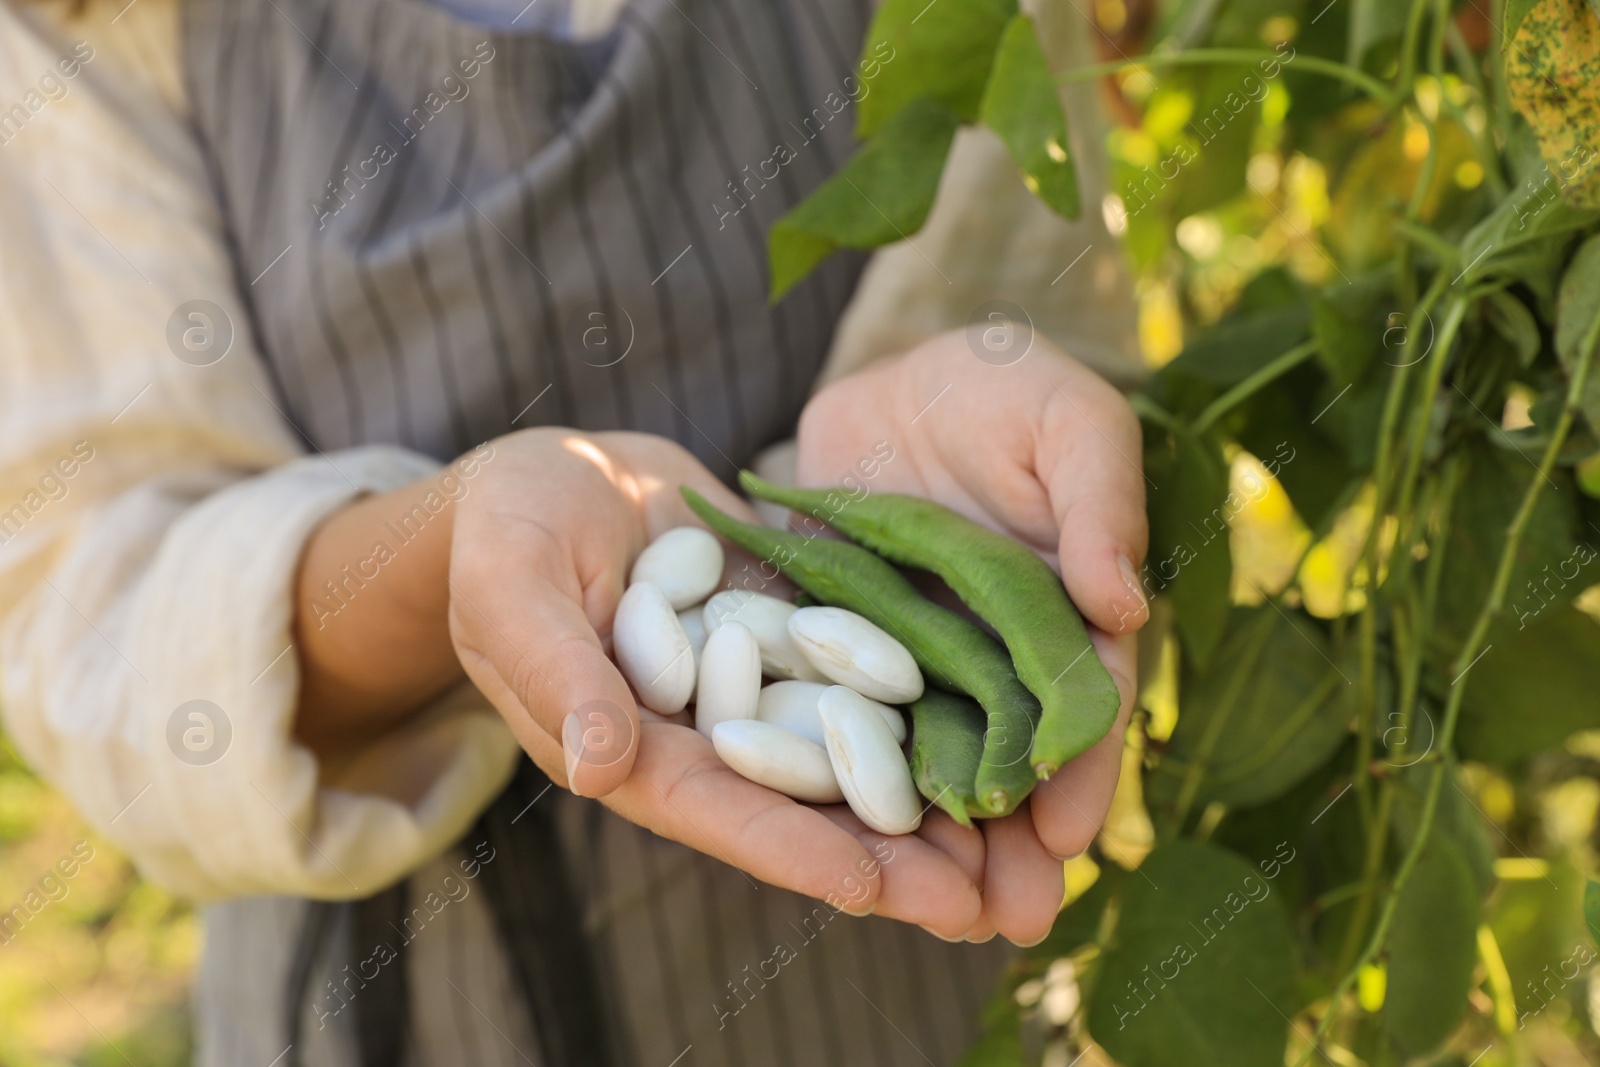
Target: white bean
(868, 764)
(686, 563)
(894, 717)
(768, 618)
(777, 759)
(851, 651)
(694, 628)
(730, 678)
(793, 706)
(652, 649)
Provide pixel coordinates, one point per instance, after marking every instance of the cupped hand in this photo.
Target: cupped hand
(1044, 450)
(540, 555)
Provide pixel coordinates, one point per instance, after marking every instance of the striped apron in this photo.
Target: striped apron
(448, 231)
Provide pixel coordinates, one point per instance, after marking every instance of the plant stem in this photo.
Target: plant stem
(1377, 844)
(1201, 57)
(1455, 314)
(1468, 656)
(1149, 410)
(1381, 484)
(1241, 391)
(1336, 896)
(1408, 49)
(1376, 823)
(1421, 235)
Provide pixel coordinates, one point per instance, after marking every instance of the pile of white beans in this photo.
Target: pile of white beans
(822, 731)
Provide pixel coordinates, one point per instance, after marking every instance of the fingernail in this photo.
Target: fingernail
(984, 940)
(1130, 578)
(1030, 944)
(941, 937)
(572, 748)
(860, 911)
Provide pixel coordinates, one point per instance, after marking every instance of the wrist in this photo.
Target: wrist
(371, 608)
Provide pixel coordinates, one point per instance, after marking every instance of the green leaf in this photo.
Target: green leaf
(1269, 709)
(1336, 847)
(1199, 972)
(1578, 321)
(1456, 819)
(1353, 419)
(1271, 316)
(1512, 320)
(1291, 822)
(1432, 950)
(1271, 289)
(1524, 239)
(883, 194)
(1021, 106)
(944, 54)
(1189, 559)
(1309, 461)
(1488, 498)
(1534, 691)
(1235, 348)
(1591, 908)
(1345, 342)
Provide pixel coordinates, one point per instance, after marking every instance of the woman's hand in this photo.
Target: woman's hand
(520, 585)
(1044, 450)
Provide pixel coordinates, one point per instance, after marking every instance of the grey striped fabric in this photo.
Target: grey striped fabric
(697, 962)
(448, 231)
(471, 219)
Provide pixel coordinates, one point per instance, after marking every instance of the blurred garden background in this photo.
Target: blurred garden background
(100, 973)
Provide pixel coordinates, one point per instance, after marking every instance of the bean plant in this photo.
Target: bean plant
(1322, 865)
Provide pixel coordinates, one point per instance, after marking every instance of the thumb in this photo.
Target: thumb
(525, 640)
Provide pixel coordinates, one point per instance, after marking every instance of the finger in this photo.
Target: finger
(920, 883)
(1089, 461)
(522, 632)
(682, 791)
(1025, 884)
(963, 844)
(983, 931)
(655, 471)
(1070, 806)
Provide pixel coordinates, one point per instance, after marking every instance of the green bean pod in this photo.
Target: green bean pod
(946, 752)
(1005, 583)
(952, 652)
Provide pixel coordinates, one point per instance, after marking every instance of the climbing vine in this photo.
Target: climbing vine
(1322, 878)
